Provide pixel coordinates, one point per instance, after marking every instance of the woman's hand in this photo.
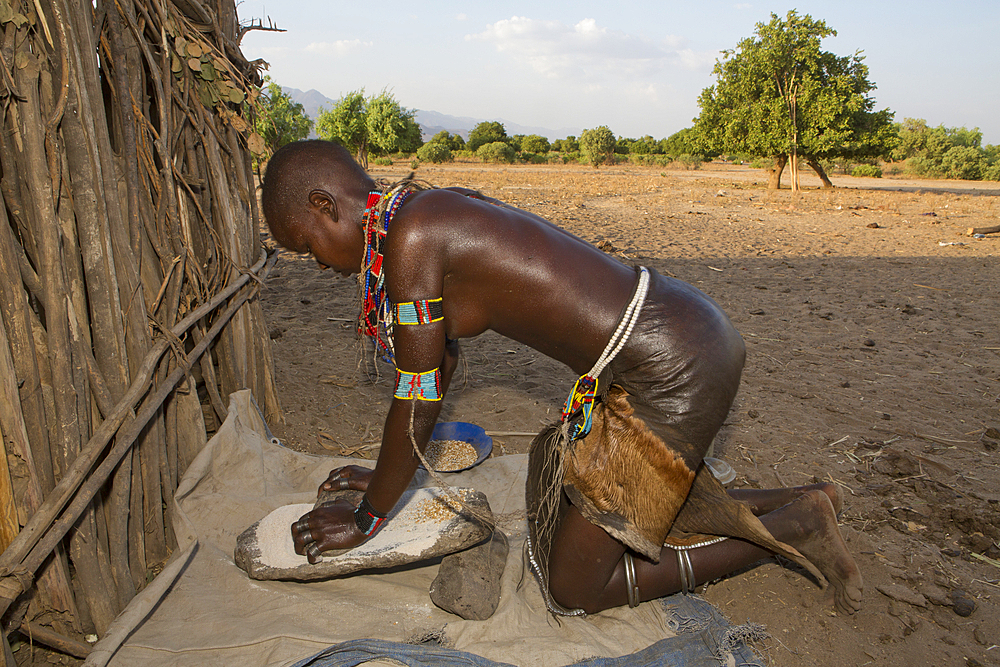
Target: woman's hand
(347, 477)
(331, 526)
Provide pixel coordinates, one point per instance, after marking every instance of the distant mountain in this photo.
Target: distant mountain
(431, 122)
(311, 100)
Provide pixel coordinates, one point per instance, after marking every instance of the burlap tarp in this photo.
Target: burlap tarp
(203, 610)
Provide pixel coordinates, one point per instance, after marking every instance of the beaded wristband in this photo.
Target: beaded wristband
(366, 518)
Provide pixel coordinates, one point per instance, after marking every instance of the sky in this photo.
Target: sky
(635, 66)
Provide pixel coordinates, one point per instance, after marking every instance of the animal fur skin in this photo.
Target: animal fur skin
(625, 479)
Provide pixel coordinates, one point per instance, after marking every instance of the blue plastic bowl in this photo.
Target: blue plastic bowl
(470, 433)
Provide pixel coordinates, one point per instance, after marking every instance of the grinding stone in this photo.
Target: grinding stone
(468, 582)
(412, 534)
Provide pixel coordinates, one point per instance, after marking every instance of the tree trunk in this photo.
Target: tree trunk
(774, 180)
(818, 168)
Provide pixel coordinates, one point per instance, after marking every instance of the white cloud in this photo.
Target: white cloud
(694, 60)
(586, 49)
(461, 17)
(339, 48)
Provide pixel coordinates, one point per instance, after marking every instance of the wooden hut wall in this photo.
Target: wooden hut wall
(127, 205)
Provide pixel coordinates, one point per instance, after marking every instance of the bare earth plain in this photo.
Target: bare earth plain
(870, 319)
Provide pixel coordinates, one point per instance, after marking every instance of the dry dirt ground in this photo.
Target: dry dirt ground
(873, 360)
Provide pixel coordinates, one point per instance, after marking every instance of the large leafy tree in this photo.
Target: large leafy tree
(279, 119)
(487, 132)
(370, 124)
(598, 145)
(779, 95)
(345, 123)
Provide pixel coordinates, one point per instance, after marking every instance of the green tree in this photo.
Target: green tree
(391, 128)
(345, 123)
(681, 142)
(486, 132)
(376, 124)
(598, 145)
(645, 145)
(454, 142)
(435, 152)
(943, 152)
(536, 143)
(567, 145)
(779, 96)
(497, 151)
(280, 120)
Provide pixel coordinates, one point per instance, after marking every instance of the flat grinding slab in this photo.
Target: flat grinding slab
(423, 526)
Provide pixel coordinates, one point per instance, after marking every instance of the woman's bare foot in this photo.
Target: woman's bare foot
(765, 501)
(810, 525)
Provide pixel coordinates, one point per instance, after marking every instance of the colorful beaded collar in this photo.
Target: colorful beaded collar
(375, 319)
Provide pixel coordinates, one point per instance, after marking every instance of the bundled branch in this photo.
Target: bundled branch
(129, 259)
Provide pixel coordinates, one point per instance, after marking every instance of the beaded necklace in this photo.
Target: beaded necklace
(375, 319)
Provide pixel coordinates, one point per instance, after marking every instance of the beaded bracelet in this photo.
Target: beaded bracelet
(366, 518)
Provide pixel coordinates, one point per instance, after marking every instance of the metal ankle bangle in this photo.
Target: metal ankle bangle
(631, 587)
(685, 571)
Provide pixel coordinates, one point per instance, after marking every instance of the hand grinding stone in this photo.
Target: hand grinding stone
(468, 583)
(423, 526)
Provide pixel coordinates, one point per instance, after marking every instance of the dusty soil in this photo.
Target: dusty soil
(873, 360)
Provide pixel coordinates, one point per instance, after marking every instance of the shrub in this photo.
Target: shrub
(649, 160)
(963, 162)
(497, 151)
(434, 152)
(535, 143)
(690, 161)
(867, 171)
(532, 158)
(383, 160)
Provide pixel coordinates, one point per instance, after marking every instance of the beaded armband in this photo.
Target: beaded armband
(419, 312)
(421, 386)
(366, 518)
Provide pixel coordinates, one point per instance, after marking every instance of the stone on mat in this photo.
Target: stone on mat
(468, 583)
(424, 525)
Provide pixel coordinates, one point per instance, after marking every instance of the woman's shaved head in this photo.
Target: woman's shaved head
(300, 167)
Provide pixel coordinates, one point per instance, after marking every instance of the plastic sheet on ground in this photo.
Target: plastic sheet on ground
(202, 609)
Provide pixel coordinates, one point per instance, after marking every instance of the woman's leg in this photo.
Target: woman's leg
(763, 501)
(586, 570)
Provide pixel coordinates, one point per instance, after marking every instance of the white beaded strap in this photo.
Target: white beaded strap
(688, 547)
(624, 330)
